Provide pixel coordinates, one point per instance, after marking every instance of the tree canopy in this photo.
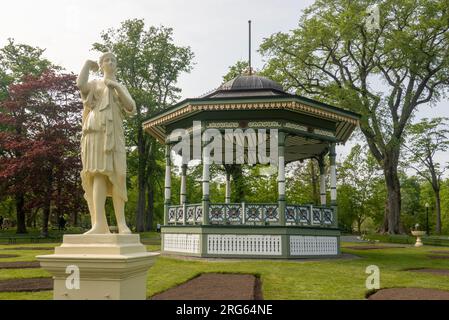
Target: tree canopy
(384, 74)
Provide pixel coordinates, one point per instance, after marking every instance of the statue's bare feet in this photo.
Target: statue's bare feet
(98, 230)
(123, 229)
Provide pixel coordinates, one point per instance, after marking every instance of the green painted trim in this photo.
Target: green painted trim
(166, 207)
(205, 204)
(285, 242)
(279, 115)
(250, 230)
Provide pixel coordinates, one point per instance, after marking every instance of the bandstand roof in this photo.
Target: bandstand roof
(252, 101)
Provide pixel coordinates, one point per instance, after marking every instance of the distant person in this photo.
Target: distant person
(1, 222)
(158, 227)
(61, 223)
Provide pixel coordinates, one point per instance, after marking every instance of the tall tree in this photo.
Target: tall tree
(149, 65)
(40, 158)
(18, 61)
(425, 139)
(383, 73)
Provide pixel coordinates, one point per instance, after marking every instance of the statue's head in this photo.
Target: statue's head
(108, 63)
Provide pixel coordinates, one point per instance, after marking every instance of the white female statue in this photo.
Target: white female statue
(103, 151)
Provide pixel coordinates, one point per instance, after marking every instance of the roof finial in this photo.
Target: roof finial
(249, 51)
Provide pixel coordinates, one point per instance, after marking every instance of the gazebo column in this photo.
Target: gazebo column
(228, 188)
(206, 177)
(183, 192)
(167, 192)
(281, 177)
(322, 181)
(333, 172)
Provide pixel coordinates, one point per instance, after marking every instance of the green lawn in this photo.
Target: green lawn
(330, 279)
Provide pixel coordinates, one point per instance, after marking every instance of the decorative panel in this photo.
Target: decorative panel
(244, 244)
(181, 242)
(313, 245)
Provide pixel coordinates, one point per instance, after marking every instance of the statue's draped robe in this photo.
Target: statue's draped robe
(103, 140)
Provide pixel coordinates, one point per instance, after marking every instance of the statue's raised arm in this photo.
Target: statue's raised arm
(83, 77)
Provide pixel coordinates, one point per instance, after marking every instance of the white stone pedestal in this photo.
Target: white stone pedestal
(112, 266)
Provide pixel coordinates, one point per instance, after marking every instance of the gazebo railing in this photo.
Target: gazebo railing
(309, 215)
(253, 214)
(193, 214)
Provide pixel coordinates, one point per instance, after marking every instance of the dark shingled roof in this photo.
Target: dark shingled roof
(247, 85)
(250, 82)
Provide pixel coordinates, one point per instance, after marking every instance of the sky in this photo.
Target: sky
(216, 31)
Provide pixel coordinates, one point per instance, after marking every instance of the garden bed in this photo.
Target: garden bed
(214, 286)
(409, 294)
(26, 285)
(19, 265)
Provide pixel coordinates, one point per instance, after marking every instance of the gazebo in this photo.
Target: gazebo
(296, 127)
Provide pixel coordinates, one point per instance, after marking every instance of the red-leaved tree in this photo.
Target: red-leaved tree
(39, 147)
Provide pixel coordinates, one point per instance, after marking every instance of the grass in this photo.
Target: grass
(326, 279)
(331, 279)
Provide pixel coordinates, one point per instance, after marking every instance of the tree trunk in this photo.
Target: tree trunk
(390, 166)
(20, 213)
(45, 218)
(32, 218)
(141, 182)
(47, 205)
(150, 209)
(238, 182)
(384, 227)
(438, 211)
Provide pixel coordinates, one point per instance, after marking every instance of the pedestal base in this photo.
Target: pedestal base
(418, 242)
(99, 267)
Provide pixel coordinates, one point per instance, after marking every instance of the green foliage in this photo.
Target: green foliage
(301, 182)
(261, 187)
(426, 138)
(18, 61)
(240, 67)
(361, 191)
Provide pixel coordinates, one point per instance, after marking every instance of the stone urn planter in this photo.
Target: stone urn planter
(418, 235)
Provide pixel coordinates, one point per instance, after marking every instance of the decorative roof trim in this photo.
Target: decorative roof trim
(289, 105)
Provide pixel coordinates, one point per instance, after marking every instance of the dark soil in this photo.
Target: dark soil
(214, 286)
(30, 284)
(8, 256)
(440, 252)
(409, 294)
(444, 272)
(30, 248)
(19, 265)
(440, 256)
(372, 247)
